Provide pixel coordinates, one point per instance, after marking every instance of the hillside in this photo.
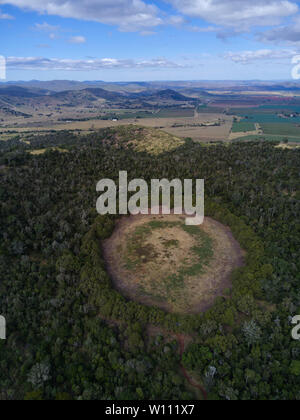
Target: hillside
(165, 95)
(20, 92)
(142, 139)
(88, 94)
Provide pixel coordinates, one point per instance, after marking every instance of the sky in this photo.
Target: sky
(141, 40)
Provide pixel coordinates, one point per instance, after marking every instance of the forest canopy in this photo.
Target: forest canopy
(72, 336)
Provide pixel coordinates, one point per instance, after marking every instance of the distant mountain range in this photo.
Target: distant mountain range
(29, 96)
(90, 93)
(22, 92)
(53, 86)
(138, 87)
(60, 99)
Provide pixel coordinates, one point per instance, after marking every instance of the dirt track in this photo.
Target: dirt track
(181, 342)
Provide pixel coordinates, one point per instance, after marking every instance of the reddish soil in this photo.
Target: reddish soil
(181, 342)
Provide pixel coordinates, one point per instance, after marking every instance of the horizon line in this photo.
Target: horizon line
(152, 81)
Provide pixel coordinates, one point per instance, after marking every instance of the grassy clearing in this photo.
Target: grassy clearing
(148, 140)
(158, 260)
(287, 146)
(143, 248)
(38, 152)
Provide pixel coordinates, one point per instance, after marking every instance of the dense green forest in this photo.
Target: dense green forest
(72, 336)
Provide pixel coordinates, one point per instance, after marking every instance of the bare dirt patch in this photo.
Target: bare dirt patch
(42, 151)
(157, 260)
(287, 146)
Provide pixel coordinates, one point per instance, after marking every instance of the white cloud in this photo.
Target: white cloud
(148, 33)
(283, 34)
(175, 20)
(49, 29)
(77, 40)
(41, 63)
(231, 16)
(5, 16)
(237, 13)
(45, 27)
(206, 29)
(247, 57)
(43, 46)
(140, 15)
(128, 15)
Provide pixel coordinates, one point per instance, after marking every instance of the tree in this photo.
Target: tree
(252, 332)
(295, 368)
(39, 374)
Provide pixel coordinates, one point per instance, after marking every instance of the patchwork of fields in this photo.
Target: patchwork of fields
(199, 127)
(275, 123)
(203, 116)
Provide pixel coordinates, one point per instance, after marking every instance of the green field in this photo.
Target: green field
(209, 110)
(281, 129)
(266, 109)
(278, 123)
(175, 113)
(269, 114)
(269, 119)
(269, 138)
(239, 127)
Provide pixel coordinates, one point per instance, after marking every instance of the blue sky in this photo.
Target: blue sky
(135, 40)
